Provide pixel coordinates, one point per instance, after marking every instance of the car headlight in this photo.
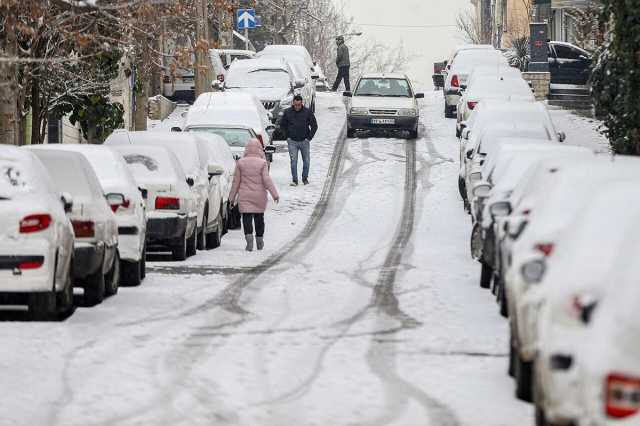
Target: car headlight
(407, 112)
(359, 111)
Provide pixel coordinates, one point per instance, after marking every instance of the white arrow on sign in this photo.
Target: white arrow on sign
(246, 18)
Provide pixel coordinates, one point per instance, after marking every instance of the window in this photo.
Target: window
(567, 52)
(391, 87)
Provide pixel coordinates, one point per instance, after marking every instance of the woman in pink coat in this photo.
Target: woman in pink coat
(250, 186)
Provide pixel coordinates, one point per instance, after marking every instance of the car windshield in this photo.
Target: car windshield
(529, 132)
(15, 179)
(234, 137)
(260, 78)
(145, 168)
(387, 87)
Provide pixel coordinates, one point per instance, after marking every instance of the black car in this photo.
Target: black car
(569, 64)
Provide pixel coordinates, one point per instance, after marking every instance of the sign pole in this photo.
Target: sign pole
(246, 38)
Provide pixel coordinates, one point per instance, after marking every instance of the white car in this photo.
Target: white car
(270, 80)
(115, 178)
(571, 191)
(607, 367)
(303, 65)
(222, 168)
(383, 102)
(96, 263)
(193, 156)
(36, 254)
(172, 209)
(228, 110)
(491, 87)
(582, 272)
(462, 65)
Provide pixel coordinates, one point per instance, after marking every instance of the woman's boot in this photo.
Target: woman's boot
(260, 242)
(249, 239)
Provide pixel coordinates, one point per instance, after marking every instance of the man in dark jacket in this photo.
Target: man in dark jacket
(300, 126)
(343, 63)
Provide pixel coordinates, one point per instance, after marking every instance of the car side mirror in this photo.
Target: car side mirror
(217, 85)
(214, 170)
(500, 208)
(176, 129)
(115, 200)
(299, 84)
(269, 149)
(465, 134)
(469, 154)
(67, 202)
(419, 96)
(562, 136)
(144, 192)
(190, 181)
(586, 311)
(463, 87)
(347, 94)
(481, 189)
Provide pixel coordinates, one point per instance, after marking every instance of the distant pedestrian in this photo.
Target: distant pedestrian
(250, 186)
(300, 126)
(343, 63)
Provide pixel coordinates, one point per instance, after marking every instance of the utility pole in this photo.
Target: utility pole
(202, 66)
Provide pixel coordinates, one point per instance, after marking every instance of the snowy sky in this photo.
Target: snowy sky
(428, 44)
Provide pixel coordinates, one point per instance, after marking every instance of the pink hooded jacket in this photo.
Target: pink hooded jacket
(252, 181)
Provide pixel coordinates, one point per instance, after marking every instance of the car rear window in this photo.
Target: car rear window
(68, 174)
(145, 167)
(15, 179)
(234, 137)
(387, 87)
(258, 78)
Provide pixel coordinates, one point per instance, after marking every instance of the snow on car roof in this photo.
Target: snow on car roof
(495, 87)
(265, 62)
(490, 110)
(152, 164)
(388, 75)
(70, 172)
(242, 115)
(466, 60)
(222, 99)
(506, 148)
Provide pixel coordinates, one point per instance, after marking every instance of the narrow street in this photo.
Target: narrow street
(364, 309)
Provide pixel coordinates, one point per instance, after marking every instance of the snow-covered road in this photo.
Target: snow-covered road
(364, 309)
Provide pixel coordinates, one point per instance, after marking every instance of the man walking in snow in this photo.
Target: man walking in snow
(343, 63)
(300, 126)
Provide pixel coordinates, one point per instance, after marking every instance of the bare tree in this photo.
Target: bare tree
(469, 27)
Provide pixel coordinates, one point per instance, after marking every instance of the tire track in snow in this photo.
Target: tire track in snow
(381, 357)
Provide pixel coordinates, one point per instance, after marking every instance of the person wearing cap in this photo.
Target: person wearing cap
(343, 63)
(299, 125)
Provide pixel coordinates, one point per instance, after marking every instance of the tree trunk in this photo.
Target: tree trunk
(142, 99)
(9, 119)
(91, 134)
(36, 113)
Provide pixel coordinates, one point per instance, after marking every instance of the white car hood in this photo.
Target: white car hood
(381, 103)
(264, 94)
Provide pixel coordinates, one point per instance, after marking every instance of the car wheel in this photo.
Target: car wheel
(202, 235)
(112, 279)
(502, 296)
(192, 243)
(512, 355)
(215, 238)
(523, 374)
(42, 306)
(413, 134)
(462, 189)
(131, 272)
(64, 299)
(351, 133)
(143, 260)
(313, 105)
(449, 112)
(541, 418)
(486, 274)
(179, 251)
(94, 289)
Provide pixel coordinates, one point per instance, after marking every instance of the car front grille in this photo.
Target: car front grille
(269, 105)
(383, 112)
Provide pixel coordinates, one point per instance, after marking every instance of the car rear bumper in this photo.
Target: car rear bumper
(88, 259)
(13, 253)
(399, 123)
(168, 230)
(451, 98)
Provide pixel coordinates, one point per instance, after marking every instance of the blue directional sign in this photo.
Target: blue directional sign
(246, 19)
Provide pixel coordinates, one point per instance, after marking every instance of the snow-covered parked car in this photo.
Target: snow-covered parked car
(531, 240)
(36, 253)
(232, 115)
(193, 156)
(271, 80)
(581, 273)
(458, 71)
(96, 262)
(607, 366)
(385, 102)
(172, 209)
(115, 178)
(499, 88)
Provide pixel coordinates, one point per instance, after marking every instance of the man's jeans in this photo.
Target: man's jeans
(304, 148)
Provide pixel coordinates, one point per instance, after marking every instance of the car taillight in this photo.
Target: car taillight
(221, 78)
(124, 205)
(472, 105)
(622, 395)
(454, 81)
(167, 203)
(83, 228)
(31, 264)
(34, 223)
(545, 248)
(261, 139)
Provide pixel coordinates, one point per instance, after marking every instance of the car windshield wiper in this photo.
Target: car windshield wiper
(369, 94)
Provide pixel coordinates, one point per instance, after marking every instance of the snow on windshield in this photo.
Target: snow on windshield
(391, 87)
(260, 78)
(14, 179)
(146, 168)
(238, 138)
(528, 132)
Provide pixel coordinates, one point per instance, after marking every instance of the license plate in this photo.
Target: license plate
(383, 121)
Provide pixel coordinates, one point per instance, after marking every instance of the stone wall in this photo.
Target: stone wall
(540, 82)
(160, 107)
